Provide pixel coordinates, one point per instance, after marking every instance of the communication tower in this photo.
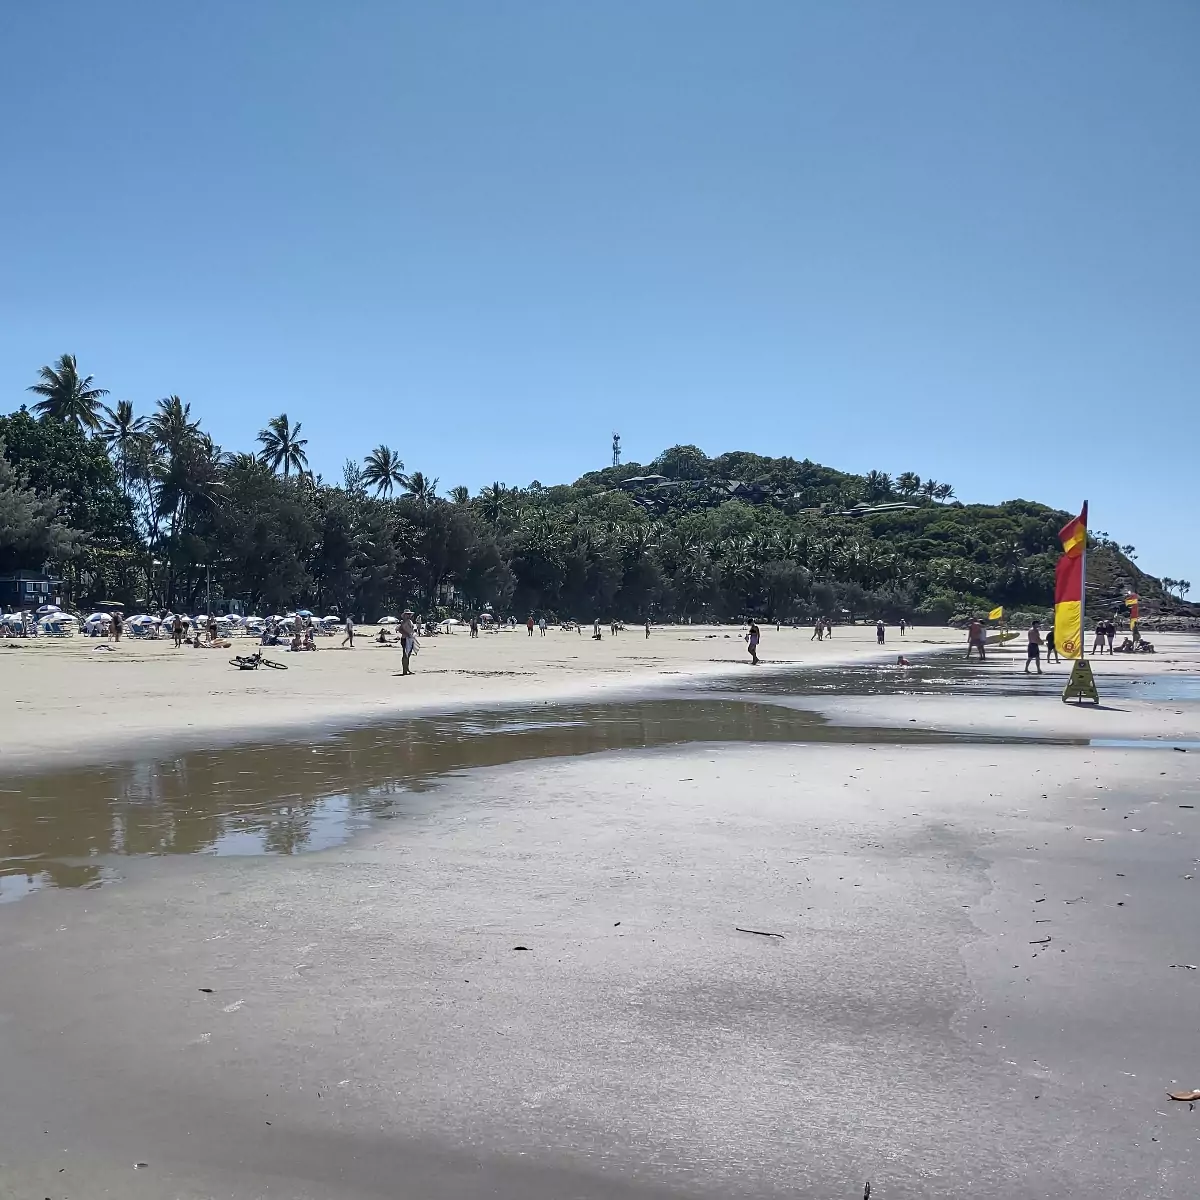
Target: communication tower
(616, 449)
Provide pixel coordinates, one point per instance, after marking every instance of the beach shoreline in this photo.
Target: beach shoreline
(74, 704)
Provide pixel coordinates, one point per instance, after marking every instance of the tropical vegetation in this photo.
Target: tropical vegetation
(146, 509)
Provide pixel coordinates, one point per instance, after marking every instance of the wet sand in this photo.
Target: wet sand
(372, 1030)
(72, 701)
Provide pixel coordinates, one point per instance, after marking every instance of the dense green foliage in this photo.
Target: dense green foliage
(162, 513)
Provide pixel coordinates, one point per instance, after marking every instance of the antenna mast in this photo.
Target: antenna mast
(616, 449)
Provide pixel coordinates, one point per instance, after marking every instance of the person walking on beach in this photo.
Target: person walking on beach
(879, 632)
(647, 628)
(1098, 641)
(818, 631)
(474, 626)
(177, 630)
(1051, 648)
(828, 627)
(408, 641)
(529, 626)
(1034, 652)
(975, 637)
(349, 631)
(752, 640)
(118, 624)
(903, 626)
(1110, 632)
(542, 626)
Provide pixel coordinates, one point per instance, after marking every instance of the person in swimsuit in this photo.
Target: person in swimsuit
(975, 638)
(1051, 648)
(752, 640)
(1034, 653)
(408, 641)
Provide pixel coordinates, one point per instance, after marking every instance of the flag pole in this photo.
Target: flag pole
(1083, 591)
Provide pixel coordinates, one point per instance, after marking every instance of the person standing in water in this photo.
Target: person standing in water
(752, 640)
(975, 637)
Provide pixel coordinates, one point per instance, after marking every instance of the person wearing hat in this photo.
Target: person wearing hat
(408, 640)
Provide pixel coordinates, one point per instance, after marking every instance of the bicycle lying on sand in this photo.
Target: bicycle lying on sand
(251, 662)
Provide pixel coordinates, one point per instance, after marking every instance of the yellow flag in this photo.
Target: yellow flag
(996, 613)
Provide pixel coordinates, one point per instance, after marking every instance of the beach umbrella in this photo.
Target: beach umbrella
(98, 619)
(451, 621)
(48, 608)
(388, 621)
(304, 612)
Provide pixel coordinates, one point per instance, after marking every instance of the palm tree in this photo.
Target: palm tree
(1184, 586)
(66, 396)
(943, 492)
(494, 500)
(878, 485)
(420, 487)
(383, 470)
(122, 433)
(282, 447)
(908, 483)
(929, 488)
(460, 494)
(171, 428)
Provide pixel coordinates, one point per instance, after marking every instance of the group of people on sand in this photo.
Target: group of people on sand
(1106, 631)
(822, 628)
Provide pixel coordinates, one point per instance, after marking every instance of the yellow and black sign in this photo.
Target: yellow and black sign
(1082, 685)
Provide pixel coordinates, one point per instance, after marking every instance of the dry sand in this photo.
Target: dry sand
(70, 699)
(372, 1030)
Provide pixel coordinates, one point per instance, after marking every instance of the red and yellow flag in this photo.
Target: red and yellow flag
(1068, 588)
(1131, 603)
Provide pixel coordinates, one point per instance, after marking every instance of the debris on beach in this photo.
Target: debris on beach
(1185, 1097)
(520, 947)
(758, 932)
(1186, 966)
(1041, 941)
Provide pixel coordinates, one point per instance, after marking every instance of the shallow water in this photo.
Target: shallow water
(953, 675)
(69, 828)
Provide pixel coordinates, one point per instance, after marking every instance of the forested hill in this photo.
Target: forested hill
(146, 510)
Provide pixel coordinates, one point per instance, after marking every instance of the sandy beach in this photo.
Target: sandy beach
(706, 970)
(72, 700)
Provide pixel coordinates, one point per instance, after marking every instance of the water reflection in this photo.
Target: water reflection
(953, 676)
(58, 829)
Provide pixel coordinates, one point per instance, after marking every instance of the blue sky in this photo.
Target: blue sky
(958, 239)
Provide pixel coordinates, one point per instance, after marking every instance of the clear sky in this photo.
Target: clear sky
(960, 239)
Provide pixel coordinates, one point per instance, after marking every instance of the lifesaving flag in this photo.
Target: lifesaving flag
(996, 613)
(1068, 588)
(1131, 603)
